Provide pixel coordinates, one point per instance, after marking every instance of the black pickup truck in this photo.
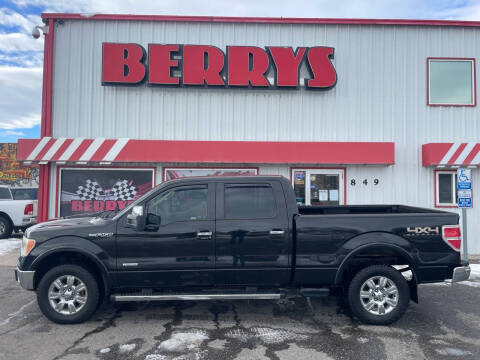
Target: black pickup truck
(239, 238)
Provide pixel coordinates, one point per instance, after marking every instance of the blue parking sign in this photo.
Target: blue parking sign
(464, 179)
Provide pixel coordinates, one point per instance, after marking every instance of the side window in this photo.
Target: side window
(5, 194)
(446, 188)
(249, 201)
(181, 204)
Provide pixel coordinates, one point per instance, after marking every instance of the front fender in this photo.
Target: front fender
(375, 241)
(76, 244)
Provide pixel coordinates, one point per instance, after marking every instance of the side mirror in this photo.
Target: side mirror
(136, 219)
(153, 222)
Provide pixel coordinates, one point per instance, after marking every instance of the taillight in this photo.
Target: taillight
(452, 235)
(28, 209)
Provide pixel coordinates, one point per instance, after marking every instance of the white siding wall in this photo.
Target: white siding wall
(380, 96)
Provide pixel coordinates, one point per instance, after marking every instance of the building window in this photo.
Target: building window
(446, 188)
(319, 186)
(451, 82)
(177, 173)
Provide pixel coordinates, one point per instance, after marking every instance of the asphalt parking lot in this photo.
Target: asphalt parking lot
(445, 325)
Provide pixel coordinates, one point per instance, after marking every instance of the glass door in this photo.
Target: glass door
(318, 186)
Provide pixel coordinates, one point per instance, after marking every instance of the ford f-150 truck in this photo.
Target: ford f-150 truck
(239, 238)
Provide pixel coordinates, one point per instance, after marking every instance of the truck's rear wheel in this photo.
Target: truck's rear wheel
(68, 294)
(5, 227)
(378, 295)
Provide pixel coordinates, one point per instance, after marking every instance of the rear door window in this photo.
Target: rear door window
(25, 194)
(245, 201)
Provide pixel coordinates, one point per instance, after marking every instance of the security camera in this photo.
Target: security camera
(36, 32)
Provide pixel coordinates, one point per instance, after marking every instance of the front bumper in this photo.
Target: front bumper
(25, 278)
(461, 273)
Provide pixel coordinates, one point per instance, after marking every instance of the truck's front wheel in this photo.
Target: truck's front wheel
(378, 295)
(68, 294)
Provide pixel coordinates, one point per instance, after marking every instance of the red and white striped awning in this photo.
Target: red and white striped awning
(105, 151)
(451, 154)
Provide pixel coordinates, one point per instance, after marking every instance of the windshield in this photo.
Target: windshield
(136, 202)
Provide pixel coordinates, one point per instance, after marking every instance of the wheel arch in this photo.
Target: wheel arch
(79, 257)
(9, 219)
(373, 251)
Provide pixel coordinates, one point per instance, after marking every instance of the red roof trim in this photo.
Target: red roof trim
(261, 20)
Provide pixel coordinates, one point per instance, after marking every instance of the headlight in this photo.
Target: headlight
(27, 246)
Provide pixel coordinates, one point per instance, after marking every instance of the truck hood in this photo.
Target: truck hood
(76, 226)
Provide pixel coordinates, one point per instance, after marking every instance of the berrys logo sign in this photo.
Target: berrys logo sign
(209, 66)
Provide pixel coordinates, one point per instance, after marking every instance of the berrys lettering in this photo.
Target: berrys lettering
(205, 65)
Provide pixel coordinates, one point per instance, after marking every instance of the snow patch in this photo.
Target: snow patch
(183, 341)
(362, 340)
(155, 357)
(104, 351)
(470, 283)
(452, 352)
(126, 348)
(267, 335)
(475, 274)
(8, 245)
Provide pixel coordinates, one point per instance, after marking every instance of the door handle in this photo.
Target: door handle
(204, 234)
(277, 232)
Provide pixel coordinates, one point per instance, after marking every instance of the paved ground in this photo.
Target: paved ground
(445, 325)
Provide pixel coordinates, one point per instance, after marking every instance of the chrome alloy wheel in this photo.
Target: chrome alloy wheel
(3, 227)
(379, 295)
(67, 294)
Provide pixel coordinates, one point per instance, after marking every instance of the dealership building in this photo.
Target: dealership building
(351, 111)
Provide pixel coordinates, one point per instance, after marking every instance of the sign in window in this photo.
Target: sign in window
(318, 186)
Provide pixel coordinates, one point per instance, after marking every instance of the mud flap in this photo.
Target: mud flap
(413, 290)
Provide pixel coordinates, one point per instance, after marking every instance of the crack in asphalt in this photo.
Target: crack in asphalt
(15, 313)
(105, 325)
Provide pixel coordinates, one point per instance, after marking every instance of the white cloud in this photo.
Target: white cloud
(12, 133)
(20, 102)
(19, 42)
(11, 18)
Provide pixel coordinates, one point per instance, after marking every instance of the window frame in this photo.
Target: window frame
(239, 184)
(437, 189)
(474, 80)
(342, 171)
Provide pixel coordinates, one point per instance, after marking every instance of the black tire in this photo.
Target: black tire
(92, 298)
(6, 227)
(395, 312)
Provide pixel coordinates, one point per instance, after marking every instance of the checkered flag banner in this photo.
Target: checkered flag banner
(122, 190)
(91, 191)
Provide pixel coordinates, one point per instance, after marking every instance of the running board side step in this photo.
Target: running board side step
(206, 296)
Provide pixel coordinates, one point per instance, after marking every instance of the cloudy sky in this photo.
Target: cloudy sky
(21, 56)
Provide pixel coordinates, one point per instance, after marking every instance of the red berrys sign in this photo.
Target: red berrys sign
(206, 65)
